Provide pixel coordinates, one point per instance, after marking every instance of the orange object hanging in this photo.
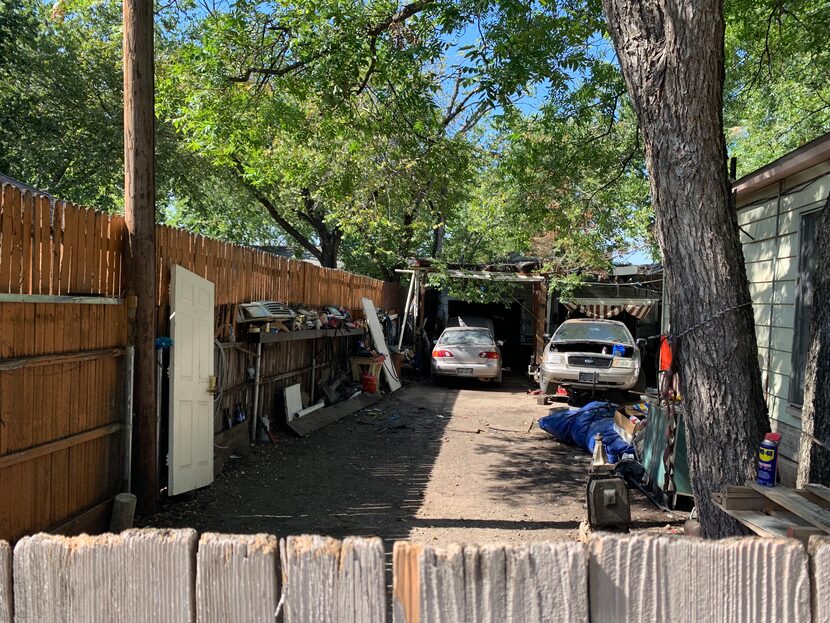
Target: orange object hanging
(665, 354)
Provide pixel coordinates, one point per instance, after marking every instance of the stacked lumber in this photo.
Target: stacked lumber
(779, 511)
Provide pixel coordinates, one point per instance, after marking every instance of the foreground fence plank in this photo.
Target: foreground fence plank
(6, 590)
(236, 578)
(137, 576)
(820, 571)
(646, 578)
(534, 583)
(326, 581)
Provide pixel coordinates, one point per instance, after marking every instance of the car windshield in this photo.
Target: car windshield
(599, 331)
(466, 337)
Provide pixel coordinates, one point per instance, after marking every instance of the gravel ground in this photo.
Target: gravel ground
(432, 464)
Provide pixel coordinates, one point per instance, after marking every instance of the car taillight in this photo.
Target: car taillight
(442, 353)
(489, 354)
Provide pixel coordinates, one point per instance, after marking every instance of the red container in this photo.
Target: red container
(370, 383)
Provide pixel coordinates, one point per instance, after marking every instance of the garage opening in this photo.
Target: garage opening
(511, 326)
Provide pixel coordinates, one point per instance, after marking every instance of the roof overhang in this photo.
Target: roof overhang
(482, 275)
(811, 154)
(610, 301)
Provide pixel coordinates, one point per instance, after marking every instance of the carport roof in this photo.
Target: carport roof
(481, 275)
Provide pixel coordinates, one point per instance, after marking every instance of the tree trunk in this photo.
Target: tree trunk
(329, 247)
(814, 456)
(671, 53)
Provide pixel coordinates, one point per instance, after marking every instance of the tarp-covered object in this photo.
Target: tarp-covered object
(579, 426)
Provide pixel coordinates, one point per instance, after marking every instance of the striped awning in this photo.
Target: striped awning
(608, 308)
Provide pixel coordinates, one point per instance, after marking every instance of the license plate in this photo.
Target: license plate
(588, 377)
(464, 372)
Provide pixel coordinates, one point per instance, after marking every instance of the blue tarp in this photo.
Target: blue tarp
(579, 426)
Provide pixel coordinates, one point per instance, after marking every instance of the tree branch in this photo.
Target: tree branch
(404, 14)
(278, 218)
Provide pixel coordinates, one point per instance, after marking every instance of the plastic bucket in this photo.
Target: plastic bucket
(369, 383)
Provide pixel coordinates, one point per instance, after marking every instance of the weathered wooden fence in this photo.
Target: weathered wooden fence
(164, 575)
(63, 337)
(61, 412)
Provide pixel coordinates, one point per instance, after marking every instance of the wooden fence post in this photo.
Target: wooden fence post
(329, 581)
(748, 579)
(137, 576)
(236, 578)
(140, 216)
(532, 583)
(6, 589)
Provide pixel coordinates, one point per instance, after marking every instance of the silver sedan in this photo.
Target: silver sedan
(467, 352)
(590, 354)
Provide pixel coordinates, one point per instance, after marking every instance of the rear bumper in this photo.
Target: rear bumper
(480, 370)
(607, 378)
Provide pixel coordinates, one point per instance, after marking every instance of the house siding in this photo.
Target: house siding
(771, 241)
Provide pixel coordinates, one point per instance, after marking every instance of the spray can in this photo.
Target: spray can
(768, 459)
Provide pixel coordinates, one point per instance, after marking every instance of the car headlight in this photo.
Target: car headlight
(622, 362)
(551, 357)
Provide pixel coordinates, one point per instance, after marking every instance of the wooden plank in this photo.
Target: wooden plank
(9, 207)
(60, 444)
(650, 578)
(138, 575)
(803, 533)
(819, 491)
(56, 358)
(796, 504)
(57, 247)
(16, 275)
(380, 344)
(69, 250)
(532, 583)
(6, 588)
(329, 415)
(327, 581)
(237, 578)
(95, 520)
(28, 204)
(38, 242)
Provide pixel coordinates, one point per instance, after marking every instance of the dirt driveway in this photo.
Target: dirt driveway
(435, 464)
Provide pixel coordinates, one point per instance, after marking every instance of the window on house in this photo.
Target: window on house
(803, 305)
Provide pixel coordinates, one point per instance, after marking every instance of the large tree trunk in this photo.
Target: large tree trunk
(671, 53)
(814, 459)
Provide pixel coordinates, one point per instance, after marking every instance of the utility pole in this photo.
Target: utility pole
(140, 256)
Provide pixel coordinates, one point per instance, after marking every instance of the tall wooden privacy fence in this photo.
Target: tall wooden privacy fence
(62, 382)
(62, 359)
(160, 575)
(52, 247)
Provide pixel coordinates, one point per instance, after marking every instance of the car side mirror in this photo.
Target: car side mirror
(546, 337)
(434, 342)
(642, 343)
(499, 342)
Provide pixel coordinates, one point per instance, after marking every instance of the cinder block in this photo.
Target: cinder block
(327, 581)
(532, 583)
(820, 573)
(135, 577)
(236, 578)
(651, 578)
(6, 590)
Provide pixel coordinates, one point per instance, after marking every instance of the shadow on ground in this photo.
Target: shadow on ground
(364, 475)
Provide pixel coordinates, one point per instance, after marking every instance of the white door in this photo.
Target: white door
(190, 459)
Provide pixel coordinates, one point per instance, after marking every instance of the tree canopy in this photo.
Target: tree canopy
(366, 132)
